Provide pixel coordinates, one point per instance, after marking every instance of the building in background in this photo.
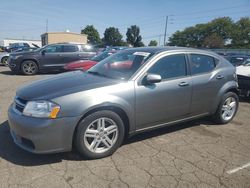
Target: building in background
(59, 37)
(7, 41)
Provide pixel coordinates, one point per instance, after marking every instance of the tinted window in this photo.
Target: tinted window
(70, 48)
(201, 63)
(53, 49)
(170, 66)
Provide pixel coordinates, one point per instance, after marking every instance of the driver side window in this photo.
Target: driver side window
(171, 66)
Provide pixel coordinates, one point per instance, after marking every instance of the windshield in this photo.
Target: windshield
(101, 56)
(121, 65)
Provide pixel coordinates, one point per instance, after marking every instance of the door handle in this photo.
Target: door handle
(182, 84)
(219, 77)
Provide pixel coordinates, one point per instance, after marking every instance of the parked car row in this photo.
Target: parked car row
(13, 48)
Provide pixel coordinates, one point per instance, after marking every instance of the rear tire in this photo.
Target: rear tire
(99, 134)
(29, 68)
(227, 108)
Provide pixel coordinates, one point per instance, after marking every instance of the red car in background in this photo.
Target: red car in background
(87, 64)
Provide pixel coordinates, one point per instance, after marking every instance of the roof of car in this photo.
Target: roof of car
(159, 49)
(156, 50)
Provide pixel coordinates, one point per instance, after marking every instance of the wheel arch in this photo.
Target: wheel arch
(118, 110)
(228, 87)
(2, 58)
(34, 60)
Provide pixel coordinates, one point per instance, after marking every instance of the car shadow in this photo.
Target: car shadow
(7, 72)
(168, 129)
(12, 153)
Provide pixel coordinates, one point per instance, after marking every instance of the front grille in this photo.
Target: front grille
(20, 104)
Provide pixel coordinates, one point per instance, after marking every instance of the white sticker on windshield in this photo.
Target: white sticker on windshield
(145, 54)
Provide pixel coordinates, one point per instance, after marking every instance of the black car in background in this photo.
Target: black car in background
(236, 60)
(49, 58)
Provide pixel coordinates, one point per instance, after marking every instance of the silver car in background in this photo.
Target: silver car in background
(129, 92)
(4, 58)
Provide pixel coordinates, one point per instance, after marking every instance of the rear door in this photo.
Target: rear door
(207, 80)
(70, 53)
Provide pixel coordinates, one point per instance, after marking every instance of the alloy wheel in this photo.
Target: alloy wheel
(101, 135)
(228, 108)
(29, 68)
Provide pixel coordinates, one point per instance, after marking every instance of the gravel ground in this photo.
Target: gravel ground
(194, 154)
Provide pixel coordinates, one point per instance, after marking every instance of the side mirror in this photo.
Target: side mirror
(43, 52)
(152, 78)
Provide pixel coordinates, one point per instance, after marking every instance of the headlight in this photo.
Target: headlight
(41, 109)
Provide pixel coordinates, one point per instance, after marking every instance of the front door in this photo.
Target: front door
(167, 100)
(52, 57)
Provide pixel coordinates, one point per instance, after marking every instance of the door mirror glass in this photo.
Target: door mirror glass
(152, 78)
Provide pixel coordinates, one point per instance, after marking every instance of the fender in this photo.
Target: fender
(224, 89)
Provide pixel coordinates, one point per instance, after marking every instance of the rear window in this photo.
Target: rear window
(70, 48)
(201, 63)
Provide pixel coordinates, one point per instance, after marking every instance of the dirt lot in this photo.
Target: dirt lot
(194, 154)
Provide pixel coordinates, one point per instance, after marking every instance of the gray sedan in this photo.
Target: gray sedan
(129, 92)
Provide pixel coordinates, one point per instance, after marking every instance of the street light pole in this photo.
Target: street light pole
(165, 33)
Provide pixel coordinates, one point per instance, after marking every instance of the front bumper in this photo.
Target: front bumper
(38, 135)
(14, 65)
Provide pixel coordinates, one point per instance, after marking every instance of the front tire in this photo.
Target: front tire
(4, 61)
(99, 134)
(29, 68)
(227, 108)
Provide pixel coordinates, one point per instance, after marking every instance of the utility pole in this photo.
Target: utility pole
(47, 25)
(159, 44)
(165, 33)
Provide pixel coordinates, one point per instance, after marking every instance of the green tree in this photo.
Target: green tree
(93, 35)
(133, 36)
(112, 37)
(198, 35)
(213, 41)
(241, 33)
(153, 43)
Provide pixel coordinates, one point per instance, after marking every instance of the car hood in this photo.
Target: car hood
(63, 84)
(243, 70)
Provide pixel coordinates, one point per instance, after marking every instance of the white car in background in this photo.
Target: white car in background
(243, 74)
(4, 58)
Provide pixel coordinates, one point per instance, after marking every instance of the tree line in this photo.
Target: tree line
(113, 37)
(218, 33)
